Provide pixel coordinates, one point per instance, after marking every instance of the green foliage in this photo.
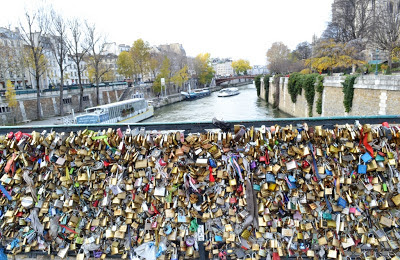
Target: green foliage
(319, 88)
(266, 86)
(348, 90)
(297, 82)
(165, 71)
(140, 53)
(157, 85)
(257, 82)
(125, 64)
(309, 87)
(294, 86)
(275, 83)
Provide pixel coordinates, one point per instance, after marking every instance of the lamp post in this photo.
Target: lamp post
(376, 61)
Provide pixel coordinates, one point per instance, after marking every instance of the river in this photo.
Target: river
(245, 106)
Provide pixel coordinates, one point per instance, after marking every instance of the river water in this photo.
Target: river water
(245, 106)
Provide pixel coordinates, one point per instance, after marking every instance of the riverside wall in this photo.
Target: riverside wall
(373, 95)
(26, 103)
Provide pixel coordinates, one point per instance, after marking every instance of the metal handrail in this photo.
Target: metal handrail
(196, 127)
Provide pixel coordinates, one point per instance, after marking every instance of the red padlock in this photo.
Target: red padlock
(305, 164)
(275, 256)
(18, 135)
(239, 189)
(95, 203)
(232, 200)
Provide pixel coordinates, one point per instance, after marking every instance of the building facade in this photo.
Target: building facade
(222, 67)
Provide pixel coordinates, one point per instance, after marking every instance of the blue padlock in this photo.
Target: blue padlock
(362, 169)
(256, 187)
(291, 178)
(218, 238)
(342, 202)
(366, 157)
(212, 163)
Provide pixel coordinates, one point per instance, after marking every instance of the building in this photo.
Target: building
(258, 70)
(12, 65)
(123, 47)
(222, 67)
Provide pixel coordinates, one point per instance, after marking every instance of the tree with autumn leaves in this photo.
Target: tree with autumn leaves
(330, 55)
(203, 68)
(241, 66)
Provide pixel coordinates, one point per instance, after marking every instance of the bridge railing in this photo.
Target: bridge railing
(198, 127)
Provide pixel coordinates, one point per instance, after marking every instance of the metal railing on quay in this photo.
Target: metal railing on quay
(198, 127)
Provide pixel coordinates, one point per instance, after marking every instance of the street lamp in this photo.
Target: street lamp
(376, 61)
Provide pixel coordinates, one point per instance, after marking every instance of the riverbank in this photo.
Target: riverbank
(174, 98)
(245, 106)
(156, 102)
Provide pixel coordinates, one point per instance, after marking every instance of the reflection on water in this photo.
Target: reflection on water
(245, 106)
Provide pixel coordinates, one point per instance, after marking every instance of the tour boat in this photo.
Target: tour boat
(128, 111)
(227, 92)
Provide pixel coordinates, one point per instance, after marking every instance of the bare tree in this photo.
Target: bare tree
(351, 19)
(5, 62)
(386, 33)
(58, 32)
(278, 58)
(34, 28)
(155, 63)
(303, 51)
(97, 43)
(77, 51)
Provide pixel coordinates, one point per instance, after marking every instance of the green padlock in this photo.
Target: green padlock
(384, 186)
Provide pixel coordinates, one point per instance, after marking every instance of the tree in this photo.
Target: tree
(97, 44)
(303, 51)
(5, 62)
(155, 63)
(77, 51)
(386, 33)
(241, 66)
(330, 55)
(351, 19)
(278, 58)
(165, 72)
(181, 76)
(204, 70)
(11, 96)
(176, 55)
(140, 52)
(125, 65)
(34, 28)
(59, 49)
(157, 85)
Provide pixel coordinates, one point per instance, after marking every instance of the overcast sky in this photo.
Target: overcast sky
(225, 28)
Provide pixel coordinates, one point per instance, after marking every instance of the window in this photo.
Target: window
(67, 100)
(85, 98)
(4, 109)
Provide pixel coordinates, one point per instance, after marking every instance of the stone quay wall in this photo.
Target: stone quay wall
(26, 103)
(373, 95)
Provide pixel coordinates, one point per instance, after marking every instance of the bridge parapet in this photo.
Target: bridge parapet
(227, 79)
